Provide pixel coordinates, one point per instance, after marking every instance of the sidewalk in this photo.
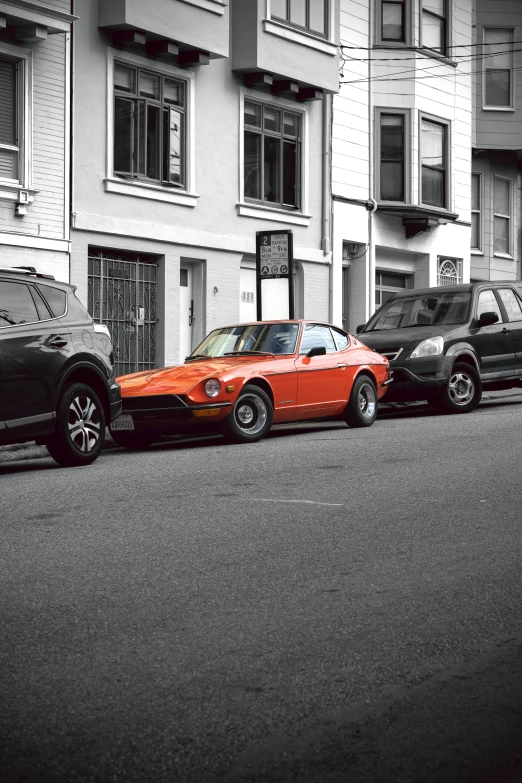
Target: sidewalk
(27, 451)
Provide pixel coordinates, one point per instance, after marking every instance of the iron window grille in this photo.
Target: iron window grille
(434, 25)
(309, 15)
(149, 126)
(476, 209)
(449, 271)
(498, 67)
(502, 216)
(272, 155)
(434, 163)
(10, 120)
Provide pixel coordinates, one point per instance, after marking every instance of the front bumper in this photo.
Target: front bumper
(115, 403)
(172, 411)
(414, 378)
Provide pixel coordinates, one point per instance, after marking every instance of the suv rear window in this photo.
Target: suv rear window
(55, 298)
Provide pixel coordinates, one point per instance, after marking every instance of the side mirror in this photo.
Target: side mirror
(318, 350)
(360, 328)
(486, 319)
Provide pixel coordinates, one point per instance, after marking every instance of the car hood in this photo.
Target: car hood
(181, 378)
(390, 340)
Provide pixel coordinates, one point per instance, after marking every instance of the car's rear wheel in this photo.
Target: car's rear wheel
(361, 410)
(250, 418)
(80, 427)
(463, 392)
(134, 440)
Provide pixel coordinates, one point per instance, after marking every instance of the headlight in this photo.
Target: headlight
(212, 387)
(434, 346)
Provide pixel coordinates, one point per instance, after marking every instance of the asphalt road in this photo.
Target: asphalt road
(325, 605)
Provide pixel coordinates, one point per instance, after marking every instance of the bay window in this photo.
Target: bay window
(10, 120)
(476, 210)
(392, 157)
(149, 126)
(434, 25)
(434, 163)
(311, 15)
(502, 216)
(498, 65)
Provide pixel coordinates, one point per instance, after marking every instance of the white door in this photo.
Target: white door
(247, 303)
(186, 311)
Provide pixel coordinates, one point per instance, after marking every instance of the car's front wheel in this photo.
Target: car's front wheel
(134, 440)
(463, 392)
(361, 410)
(250, 418)
(80, 427)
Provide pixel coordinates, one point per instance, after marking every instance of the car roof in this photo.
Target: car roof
(454, 289)
(28, 273)
(283, 321)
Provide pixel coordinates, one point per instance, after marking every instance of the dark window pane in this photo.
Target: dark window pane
(173, 92)
(290, 173)
(123, 135)
(272, 119)
(8, 102)
(298, 12)
(392, 181)
(43, 312)
(392, 137)
(272, 169)
(125, 78)
(253, 114)
(149, 85)
(498, 43)
(392, 22)
(475, 230)
(55, 298)
(153, 142)
(433, 144)
(475, 191)
(8, 164)
(279, 9)
(291, 125)
(175, 147)
(252, 165)
(433, 187)
(501, 238)
(498, 88)
(433, 32)
(511, 303)
(142, 135)
(16, 305)
(317, 21)
(502, 196)
(183, 277)
(393, 280)
(487, 303)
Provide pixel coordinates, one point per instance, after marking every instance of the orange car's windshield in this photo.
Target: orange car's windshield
(253, 339)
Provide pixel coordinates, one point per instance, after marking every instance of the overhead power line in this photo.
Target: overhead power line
(422, 78)
(456, 46)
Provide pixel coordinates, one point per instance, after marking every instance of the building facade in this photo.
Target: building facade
(402, 133)
(197, 123)
(35, 134)
(497, 141)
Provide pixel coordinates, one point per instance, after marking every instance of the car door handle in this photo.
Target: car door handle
(58, 342)
(342, 366)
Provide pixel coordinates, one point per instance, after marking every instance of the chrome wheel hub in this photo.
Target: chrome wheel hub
(250, 414)
(461, 388)
(367, 401)
(84, 423)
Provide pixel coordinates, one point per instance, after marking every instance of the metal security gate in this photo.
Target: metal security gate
(122, 295)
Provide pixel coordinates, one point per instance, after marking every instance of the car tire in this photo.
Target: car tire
(80, 427)
(250, 418)
(361, 410)
(462, 393)
(133, 440)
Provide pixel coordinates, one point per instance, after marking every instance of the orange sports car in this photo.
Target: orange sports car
(242, 379)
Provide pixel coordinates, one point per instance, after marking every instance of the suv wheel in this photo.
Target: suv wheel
(80, 427)
(463, 392)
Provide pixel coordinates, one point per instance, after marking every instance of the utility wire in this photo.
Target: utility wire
(423, 78)
(419, 56)
(456, 46)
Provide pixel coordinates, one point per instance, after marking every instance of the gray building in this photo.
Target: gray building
(497, 140)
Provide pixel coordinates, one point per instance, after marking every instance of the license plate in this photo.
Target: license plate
(124, 422)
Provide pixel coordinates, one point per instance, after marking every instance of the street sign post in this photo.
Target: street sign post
(274, 261)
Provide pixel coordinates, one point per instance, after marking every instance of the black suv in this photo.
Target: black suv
(445, 345)
(56, 368)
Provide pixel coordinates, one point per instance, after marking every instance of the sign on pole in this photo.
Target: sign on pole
(274, 261)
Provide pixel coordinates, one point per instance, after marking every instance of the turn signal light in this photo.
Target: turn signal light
(231, 388)
(209, 412)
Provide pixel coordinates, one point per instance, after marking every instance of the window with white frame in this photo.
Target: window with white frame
(387, 284)
(392, 151)
(391, 27)
(476, 212)
(272, 155)
(498, 67)
(149, 126)
(434, 25)
(502, 215)
(434, 162)
(11, 120)
(310, 15)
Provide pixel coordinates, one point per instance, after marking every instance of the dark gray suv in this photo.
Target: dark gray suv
(445, 345)
(56, 381)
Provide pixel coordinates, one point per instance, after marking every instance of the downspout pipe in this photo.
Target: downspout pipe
(71, 137)
(326, 223)
(372, 204)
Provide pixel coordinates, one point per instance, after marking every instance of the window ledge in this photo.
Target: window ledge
(402, 47)
(298, 36)
(504, 255)
(152, 192)
(11, 191)
(272, 213)
(476, 253)
(214, 6)
(498, 108)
